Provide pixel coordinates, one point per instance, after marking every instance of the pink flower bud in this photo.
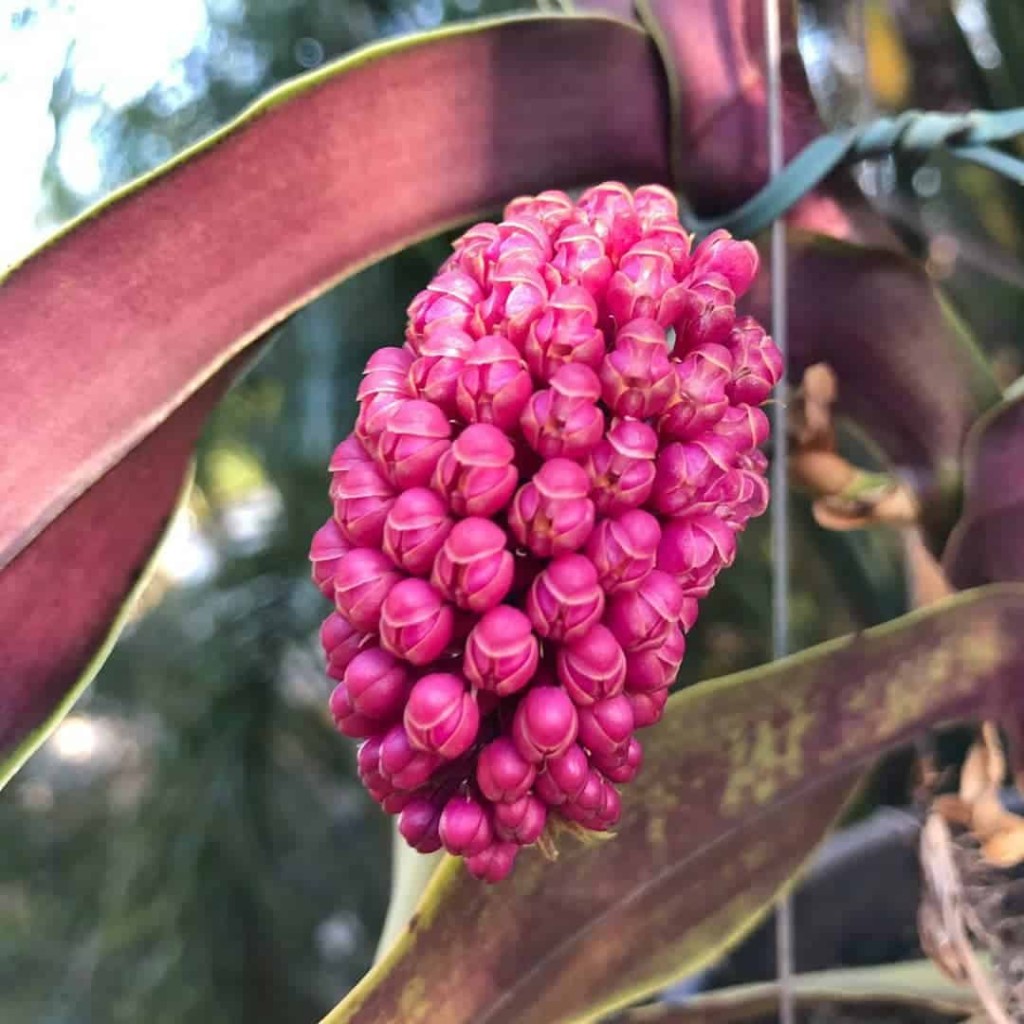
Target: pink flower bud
(412, 442)
(563, 778)
(449, 299)
(516, 297)
(624, 549)
(341, 642)
(391, 359)
(581, 258)
(523, 233)
(700, 399)
(688, 617)
(415, 528)
(544, 724)
(501, 652)
(552, 515)
(476, 475)
(608, 208)
(554, 209)
(566, 332)
(694, 549)
(648, 707)
(637, 378)
(502, 773)
(622, 467)
(473, 568)
(377, 685)
(744, 427)
(654, 204)
(401, 764)
(622, 767)
(720, 253)
(362, 500)
(415, 623)
(418, 824)
(610, 809)
(592, 667)
(687, 470)
(364, 578)
(757, 363)
(750, 500)
(564, 420)
(326, 551)
(494, 864)
(674, 239)
(435, 373)
(645, 285)
(472, 253)
(565, 600)
(441, 716)
(522, 821)
(374, 414)
(707, 312)
(348, 454)
(584, 807)
(606, 727)
(642, 618)
(349, 721)
(465, 826)
(380, 788)
(384, 387)
(657, 667)
(494, 384)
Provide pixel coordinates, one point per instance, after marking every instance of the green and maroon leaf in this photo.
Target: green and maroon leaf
(907, 991)
(987, 545)
(743, 778)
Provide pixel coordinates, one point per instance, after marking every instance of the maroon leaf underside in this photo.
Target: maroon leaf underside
(60, 594)
(988, 543)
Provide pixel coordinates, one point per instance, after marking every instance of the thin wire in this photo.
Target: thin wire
(780, 463)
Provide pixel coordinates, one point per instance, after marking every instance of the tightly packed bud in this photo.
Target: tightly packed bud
(624, 549)
(494, 385)
(592, 667)
(363, 580)
(476, 474)
(622, 467)
(694, 549)
(441, 716)
(637, 378)
(501, 651)
(642, 618)
(552, 514)
(540, 486)
(564, 421)
(362, 500)
(435, 374)
(565, 333)
(473, 568)
(326, 551)
(565, 599)
(415, 622)
(544, 724)
(502, 773)
(416, 526)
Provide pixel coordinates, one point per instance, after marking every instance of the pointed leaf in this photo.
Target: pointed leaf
(743, 776)
(988, 543)
(865, 993)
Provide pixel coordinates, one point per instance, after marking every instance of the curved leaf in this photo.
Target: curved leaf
(62, 602)
(987, 545)
(110, 327)
(908, 372)
(866, 993)
(743, 777)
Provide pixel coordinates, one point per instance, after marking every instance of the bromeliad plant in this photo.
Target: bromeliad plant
(541, 485)
(120, 334)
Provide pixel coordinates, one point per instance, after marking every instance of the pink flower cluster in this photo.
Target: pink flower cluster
(541, 485)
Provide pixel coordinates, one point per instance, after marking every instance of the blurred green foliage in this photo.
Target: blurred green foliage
(202, 851)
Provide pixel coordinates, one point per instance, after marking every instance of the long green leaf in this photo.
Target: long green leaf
(743, 777)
